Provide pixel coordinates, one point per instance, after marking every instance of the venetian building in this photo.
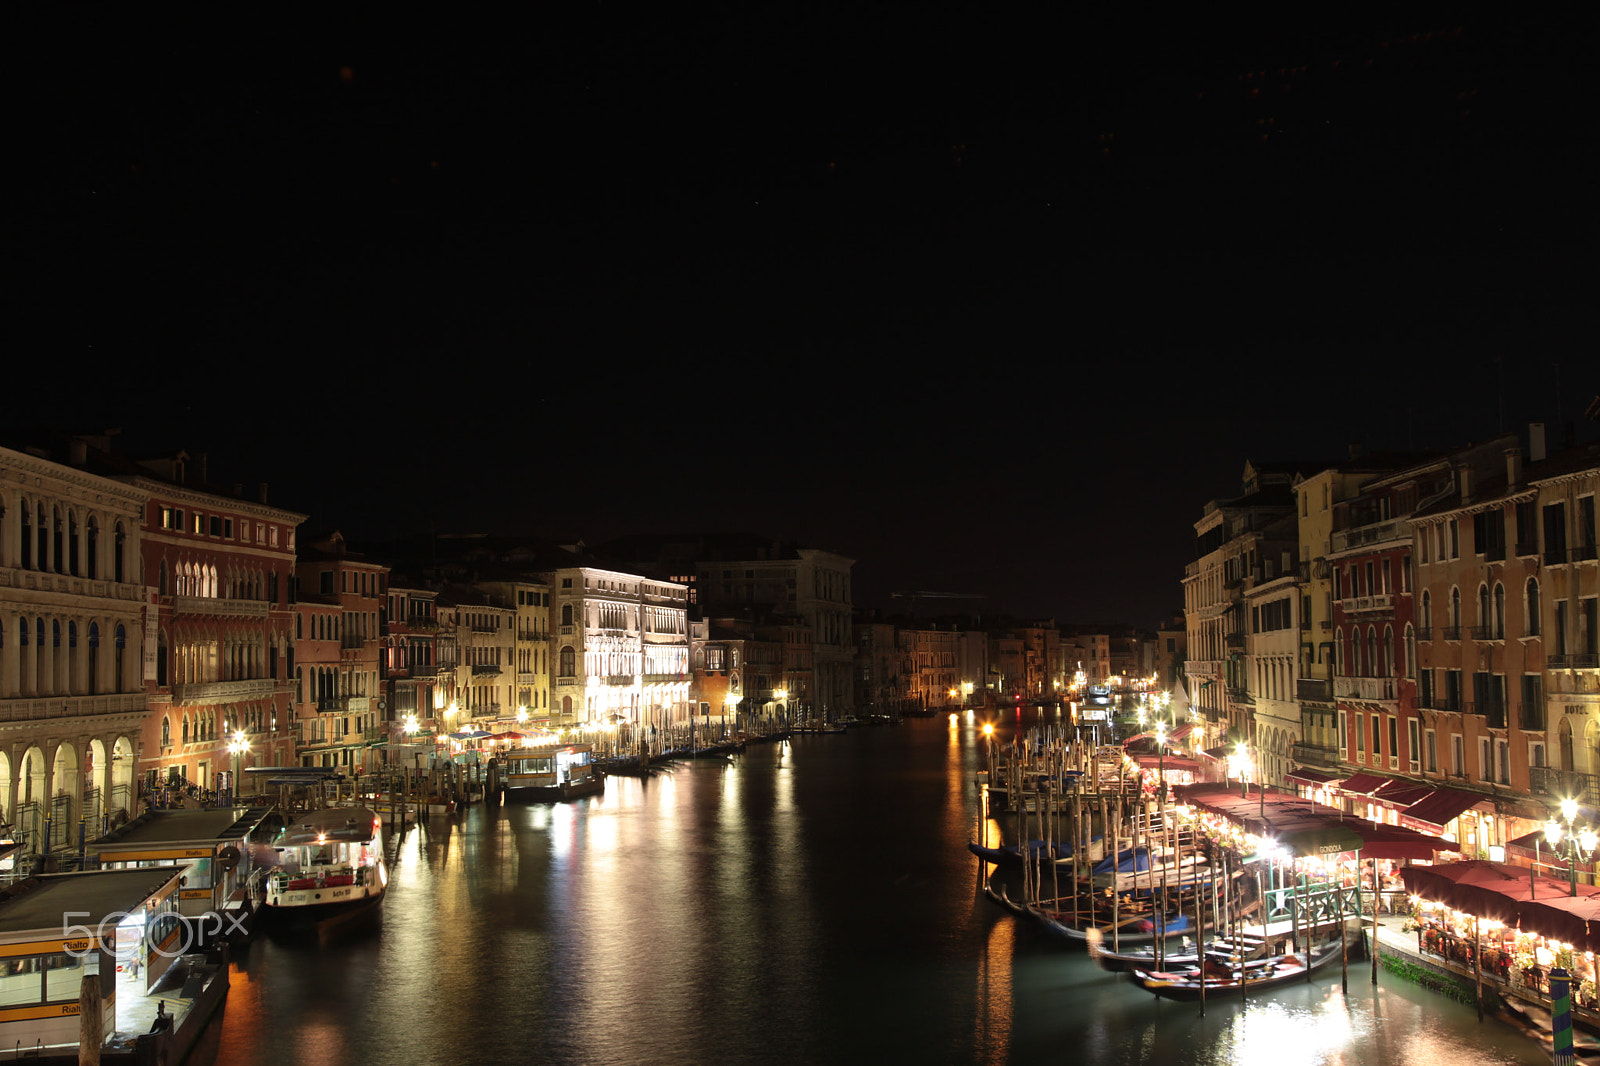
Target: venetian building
(1556, 543)
(220, 565)
(72, 639)
(621, 649)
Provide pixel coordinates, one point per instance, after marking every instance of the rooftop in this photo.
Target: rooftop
(44, 902)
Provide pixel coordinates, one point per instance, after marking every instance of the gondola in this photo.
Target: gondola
(1221, 976)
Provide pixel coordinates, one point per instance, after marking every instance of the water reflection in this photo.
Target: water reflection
(809, 903)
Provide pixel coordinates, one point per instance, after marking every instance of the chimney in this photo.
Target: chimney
(1513, 467)
(261, 492)
(1466, 484)
(1535, 442)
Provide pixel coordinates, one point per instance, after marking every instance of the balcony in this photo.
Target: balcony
(1488, 633)
(1492, 711)
(1312, 690)
(1377, 533)
(1556, 785)
(1314, 755)
(1527, 547)
(44, 708)
(1424, 633)
(1383, 601)
(1442, 703)
(1364, 688)
(1450, 633)
(1234, 641)
(211, 605)
(1588, 661)
(204, 692)
(486, 670)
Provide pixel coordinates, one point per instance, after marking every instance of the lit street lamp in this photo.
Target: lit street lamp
(237, 746)
(1578, 845)
(782, 695)
(1161, 758)
(1239, 763)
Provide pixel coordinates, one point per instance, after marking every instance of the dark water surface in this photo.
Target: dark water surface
(808, 902)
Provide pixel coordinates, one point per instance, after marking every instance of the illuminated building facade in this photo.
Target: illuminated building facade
(341, 701)
(1238, 543)
(620, 647)
(72, 694)
(222, 567)
(530, 651)
(410, 656)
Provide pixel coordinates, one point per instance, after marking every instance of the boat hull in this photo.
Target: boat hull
(555, 793)
(1262, 976)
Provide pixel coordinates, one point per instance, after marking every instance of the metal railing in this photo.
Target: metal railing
(1547, 781)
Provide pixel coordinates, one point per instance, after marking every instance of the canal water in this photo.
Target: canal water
(805, 902)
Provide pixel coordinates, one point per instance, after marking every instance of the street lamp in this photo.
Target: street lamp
(1161, 758)
(782, 695)
(1579, 845)
(237, 746)
(1239, 763)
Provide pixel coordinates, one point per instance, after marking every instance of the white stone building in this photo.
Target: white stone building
(72, 697)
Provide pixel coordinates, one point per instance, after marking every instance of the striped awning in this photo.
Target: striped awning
(1363, 784)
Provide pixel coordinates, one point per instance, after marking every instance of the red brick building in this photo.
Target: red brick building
(219, 624)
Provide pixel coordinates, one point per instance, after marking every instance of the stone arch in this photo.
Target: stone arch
(121, 801)
(96, 764)
(66, 792)
(33, 783)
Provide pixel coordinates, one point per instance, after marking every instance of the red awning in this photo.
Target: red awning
(1400, 795)
(1436, 810)
(1219, 753)
(1306, 775)
(1181, 732)
(1363, 784)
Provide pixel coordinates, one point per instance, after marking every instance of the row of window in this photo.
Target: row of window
(52, 658)
(56, 541)
(221, 527)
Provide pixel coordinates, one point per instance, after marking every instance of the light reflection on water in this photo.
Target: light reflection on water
(805, 903)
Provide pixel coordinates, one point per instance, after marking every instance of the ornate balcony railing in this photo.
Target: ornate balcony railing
(1547, 781)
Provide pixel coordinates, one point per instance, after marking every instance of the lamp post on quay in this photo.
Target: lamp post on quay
(237, 747)
(1576, 846)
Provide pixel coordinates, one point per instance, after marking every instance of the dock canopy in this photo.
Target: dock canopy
(1438, 809)
(1513, 895)
(1363, 784)
(1278, 814)
(1306, 775)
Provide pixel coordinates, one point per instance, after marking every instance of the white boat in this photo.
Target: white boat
(549, 772)
(330, 865)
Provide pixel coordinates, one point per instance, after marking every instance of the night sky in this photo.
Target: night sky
(990, 299)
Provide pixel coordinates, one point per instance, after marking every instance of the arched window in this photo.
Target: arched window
(27, 536)
(1388, 652)
(119, 560)
(186, 729)
(1485, 619)
(1499, 611)
(163, 585)
(42, 544)
(1410, 652)
(1455, 607)
(72, 543)
(117, 681)
(94, 657)
(568, 662)
(166, 732)
(93, 548)
(1372, 651)
(59, 559)
(1339, 654)
(1531, 620)
(162, 669)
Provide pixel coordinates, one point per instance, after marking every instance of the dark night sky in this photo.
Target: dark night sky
(990, 300)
